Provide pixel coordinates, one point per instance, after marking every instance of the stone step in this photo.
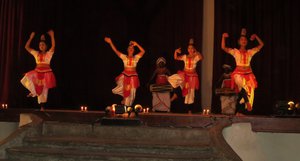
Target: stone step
(152, 134)
(118, 145)
(69, 154)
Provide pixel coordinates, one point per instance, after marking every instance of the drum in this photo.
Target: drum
(161, 88)
(225, 91)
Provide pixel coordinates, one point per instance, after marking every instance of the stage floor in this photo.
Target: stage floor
(259, 123)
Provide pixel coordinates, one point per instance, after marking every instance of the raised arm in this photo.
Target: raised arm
(223, 43)
(27, 45)
(176, 52)
(109, 41)
(51, 34)
(260, 42)
(142, 51)
(199, 55)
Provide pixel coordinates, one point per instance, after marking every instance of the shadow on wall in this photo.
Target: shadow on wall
(262, 146)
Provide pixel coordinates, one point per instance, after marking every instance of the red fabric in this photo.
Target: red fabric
(42, 80)
(161, 80)
(245, 72)
(191, 81)
(131, 80)
(226, 83)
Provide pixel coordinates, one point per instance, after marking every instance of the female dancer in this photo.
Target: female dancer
(243, 76)
(127, 81)
(188, 78)
(41, 79)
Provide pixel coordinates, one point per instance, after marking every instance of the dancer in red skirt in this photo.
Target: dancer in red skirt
(127, 81)
(243, 77)
(41, 79)
(187, 78)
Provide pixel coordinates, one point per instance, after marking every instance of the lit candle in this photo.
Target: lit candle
(147, 110)
(81, 108)
(85, 108)
(5, 106)
(144, 110)
(204, 112)
(207, 111)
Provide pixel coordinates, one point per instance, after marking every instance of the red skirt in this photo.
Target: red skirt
(42, 77)
(191, 81)
(131, 80)
(247, 74)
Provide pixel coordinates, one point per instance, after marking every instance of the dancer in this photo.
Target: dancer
(127, 81)
(41, 79)
(243, 76)
(188, 78)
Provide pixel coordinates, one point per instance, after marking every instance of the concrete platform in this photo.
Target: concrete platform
(259, 123)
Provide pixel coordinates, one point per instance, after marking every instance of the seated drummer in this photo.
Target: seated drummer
(161, 72)
(160, 87)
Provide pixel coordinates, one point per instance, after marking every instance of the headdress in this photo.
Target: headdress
(243, 32)
(161, 60)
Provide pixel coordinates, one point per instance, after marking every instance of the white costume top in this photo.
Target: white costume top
(42, 58)
(243, 59)
(130, 62)
(190, 63)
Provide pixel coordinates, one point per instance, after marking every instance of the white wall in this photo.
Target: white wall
(261, 146)
(6, 128)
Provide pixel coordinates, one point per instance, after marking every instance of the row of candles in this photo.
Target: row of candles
(205, 112)
(83, 108)
(145, 110)
(4, 106)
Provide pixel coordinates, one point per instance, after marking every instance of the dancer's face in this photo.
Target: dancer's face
(42, 46)
(191, 49)
(243, 41)
(130, 50)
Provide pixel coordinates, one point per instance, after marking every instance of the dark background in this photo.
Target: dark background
(86, 67)
(276, 66)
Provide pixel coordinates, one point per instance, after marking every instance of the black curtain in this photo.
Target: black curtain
(11, 20)
(276, 66)
(84, 65)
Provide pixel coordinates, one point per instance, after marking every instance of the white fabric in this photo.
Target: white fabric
(161, 101)
(47, 57)
(120, 91)
(189, 65)
(228, 104)
(176, 80)
(130, 62)
(243, 59)
(27, 83)
(189, 98)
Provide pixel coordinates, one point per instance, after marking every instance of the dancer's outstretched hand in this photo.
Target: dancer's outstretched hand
(178, 50)
(50, 32)
(32, 35)
(108, 40)
(253, 37)
(225, 35)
